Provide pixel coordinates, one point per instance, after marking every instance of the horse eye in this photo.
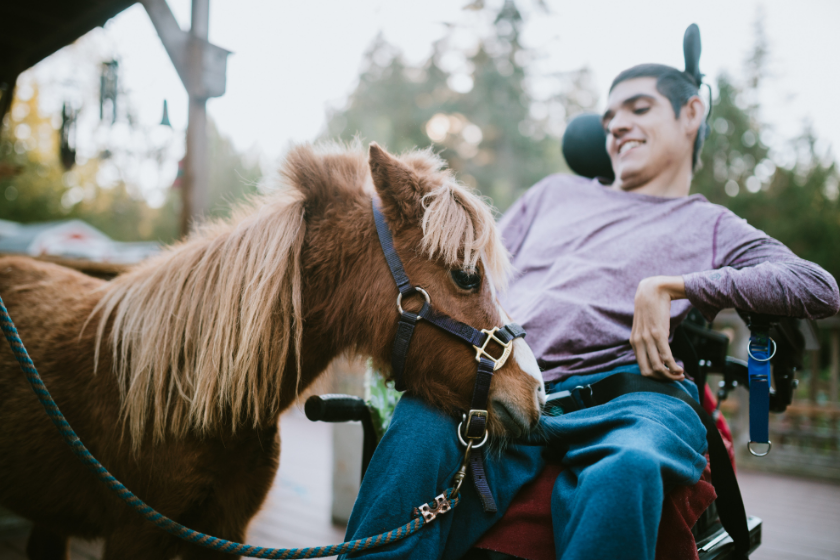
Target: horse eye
(466, 280)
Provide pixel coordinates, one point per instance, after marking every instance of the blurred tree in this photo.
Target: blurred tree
(480, 115)
(791, 191)
(392, 101)
(35, 188)
(233, 176)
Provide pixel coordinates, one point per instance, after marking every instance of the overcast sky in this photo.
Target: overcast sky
(292, 60)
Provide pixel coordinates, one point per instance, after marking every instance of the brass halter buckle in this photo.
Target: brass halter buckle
(491, 335)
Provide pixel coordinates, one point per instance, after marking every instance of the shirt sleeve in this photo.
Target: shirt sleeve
(515, 223)
(754, 272)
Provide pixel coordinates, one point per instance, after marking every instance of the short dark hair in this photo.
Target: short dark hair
(675, 85)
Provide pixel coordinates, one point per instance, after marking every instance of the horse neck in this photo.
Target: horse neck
(347, 290)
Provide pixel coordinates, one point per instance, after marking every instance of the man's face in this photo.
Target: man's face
(644, 139)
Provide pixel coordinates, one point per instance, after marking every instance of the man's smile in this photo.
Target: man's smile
(629, 145)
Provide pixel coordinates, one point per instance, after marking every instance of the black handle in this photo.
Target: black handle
(336, 408)
(345, 408)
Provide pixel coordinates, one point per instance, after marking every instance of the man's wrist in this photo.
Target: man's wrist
(672, 286)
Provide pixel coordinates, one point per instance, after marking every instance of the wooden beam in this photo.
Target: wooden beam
(74, 28)
(201, 65)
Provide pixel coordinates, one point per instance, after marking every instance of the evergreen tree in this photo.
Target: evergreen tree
(492, 133)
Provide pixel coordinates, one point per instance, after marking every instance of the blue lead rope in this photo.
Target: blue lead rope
(160, 520)
(758, 366)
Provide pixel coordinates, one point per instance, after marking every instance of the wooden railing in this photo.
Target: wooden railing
(102, 270)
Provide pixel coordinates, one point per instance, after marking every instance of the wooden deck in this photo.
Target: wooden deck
(801, 517)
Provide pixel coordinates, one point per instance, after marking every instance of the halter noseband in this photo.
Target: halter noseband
(474, 433)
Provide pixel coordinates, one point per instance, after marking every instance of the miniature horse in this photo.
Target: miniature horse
(175, 373)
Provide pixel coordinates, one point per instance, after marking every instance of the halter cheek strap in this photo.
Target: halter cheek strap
(475, 422)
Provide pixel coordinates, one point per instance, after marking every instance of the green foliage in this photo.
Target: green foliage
(494, 135)
(34, 187)
(382, 399)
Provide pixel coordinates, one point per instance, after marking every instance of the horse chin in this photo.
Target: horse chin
(516, 395)
(509, 421)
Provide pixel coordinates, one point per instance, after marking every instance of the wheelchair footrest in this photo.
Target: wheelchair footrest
(716, 544)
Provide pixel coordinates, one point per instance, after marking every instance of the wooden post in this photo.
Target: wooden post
(813, 383)
(196, 173)
(835, 367)
(202, 69)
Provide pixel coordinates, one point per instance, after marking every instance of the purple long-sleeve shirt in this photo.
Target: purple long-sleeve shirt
(580, 250)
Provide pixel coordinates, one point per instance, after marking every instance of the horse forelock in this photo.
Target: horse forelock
(458, 224)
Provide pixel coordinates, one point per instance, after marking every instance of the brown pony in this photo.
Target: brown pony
(175, 373)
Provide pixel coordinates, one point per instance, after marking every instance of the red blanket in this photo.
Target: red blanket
(525, 530)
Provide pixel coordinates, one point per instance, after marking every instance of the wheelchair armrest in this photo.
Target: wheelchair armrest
(336, 408)
(344, 408)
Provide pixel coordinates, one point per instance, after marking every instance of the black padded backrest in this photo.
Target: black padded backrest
(585, 147)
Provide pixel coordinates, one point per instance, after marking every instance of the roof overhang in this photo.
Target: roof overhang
(32, 30)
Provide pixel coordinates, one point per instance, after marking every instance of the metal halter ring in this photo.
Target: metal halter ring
(773, 353)
(753, 453)
(423, 292)
(475, 446)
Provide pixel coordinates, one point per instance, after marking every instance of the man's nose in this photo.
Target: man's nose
(618, 126)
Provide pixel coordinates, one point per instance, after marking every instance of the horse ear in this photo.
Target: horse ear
(397, 184)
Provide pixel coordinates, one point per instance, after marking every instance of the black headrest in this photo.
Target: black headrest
(585, 147)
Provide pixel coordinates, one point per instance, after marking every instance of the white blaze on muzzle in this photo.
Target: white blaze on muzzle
(524, 356)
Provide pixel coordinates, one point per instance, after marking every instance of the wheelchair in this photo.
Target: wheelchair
(703, 352)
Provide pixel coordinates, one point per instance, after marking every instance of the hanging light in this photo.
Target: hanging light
(165, 120)
(108, 90)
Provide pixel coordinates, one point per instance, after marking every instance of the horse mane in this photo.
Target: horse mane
(201, 334)
(207, 326)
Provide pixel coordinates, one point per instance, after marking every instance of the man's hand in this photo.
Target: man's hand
(652, 324)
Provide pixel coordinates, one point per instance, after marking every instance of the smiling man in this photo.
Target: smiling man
(604, 275)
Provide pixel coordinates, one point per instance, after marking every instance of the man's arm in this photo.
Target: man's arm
(753, 272)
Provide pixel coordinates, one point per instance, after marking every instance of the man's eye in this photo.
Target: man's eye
(641, 110)
(466, 280)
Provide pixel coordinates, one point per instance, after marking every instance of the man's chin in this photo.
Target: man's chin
(630, 178)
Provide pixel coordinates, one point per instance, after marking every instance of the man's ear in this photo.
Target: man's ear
(694, 113)
(397, 185)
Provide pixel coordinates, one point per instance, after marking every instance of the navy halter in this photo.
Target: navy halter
(475, 430)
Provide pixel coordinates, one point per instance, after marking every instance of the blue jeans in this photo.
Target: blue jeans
(620, 459)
